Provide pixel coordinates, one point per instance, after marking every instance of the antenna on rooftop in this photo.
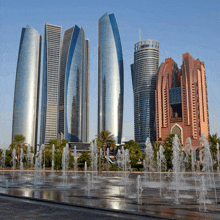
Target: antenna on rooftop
(139, 34)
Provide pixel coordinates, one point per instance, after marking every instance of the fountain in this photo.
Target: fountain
(139, 190)
(124, 190)
(149, 163)
(52, 164)
(65, 163)
(21, 165)
(85, 168)
(218, 170)
(29, 159)
(187, 149)
(208, 164)
(176, 166)
(3, 162)
(88, 184)
(75, 163)
(107, 159)
(13, 161)
(161, 163)
(37, 172)
(202, 194)
(94, 160)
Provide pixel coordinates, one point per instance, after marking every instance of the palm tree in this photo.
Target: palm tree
(19, 140)
(213, 140)
(168, 147)
(105, 138)
(156, 146)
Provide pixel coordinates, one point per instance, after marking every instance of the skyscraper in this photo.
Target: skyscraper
(26, 96)
(144, 77)
(110, 77)
(74, 86)
(50, 86)
(181, 100)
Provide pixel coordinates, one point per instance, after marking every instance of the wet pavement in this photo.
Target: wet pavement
(109, 192)
(20, 208)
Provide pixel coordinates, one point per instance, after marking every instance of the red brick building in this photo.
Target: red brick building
(181, 100)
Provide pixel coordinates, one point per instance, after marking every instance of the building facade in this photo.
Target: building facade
(26, 96)
(110, 77)
(144, 77)
(50, 85)
(74, 86)
(181, 100)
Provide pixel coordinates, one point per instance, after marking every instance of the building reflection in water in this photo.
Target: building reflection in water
(27, 192)
(37, 194)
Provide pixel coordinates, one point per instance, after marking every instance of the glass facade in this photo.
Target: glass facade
(144, 77)
(64, 54)
(25, 112)
(50, 83)
(175, 95)
(74, 91)
(110, 77)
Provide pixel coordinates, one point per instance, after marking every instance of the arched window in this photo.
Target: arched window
(176, 130)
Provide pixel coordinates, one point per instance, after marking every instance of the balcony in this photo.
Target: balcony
(178, 119)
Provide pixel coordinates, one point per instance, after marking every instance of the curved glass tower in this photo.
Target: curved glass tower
(144, 77)
(74, 86)
(26, 96)
(110, 77)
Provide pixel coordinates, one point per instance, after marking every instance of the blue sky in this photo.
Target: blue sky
(179, 26)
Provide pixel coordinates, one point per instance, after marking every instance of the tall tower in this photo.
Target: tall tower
(26, 96)
(50, 86)
(110, 77)
(144, 77)
(181, 100)
(74, 86)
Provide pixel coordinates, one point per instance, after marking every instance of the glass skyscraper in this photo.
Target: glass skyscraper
(144, 77)
(110, 77)
(26, 96)
(74, 86)
(50, 85)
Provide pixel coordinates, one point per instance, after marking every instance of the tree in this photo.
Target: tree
(55, 142)
(19, 140)
(64, 142)
(57, 154)
(213, 140)
(168, 147)
(134, 151)
(85, 157)
(105, 139)
(156, 147)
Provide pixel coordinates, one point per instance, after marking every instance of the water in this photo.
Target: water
(21, 164)
(161, 165)
(149, 163)
(208, 164)
(218, 159)
(108, 159)
(93, 153)
(176, 166)
(111, 195)
(3, 162)
(52, 164)
(65, 164)
(139, 190)
(75, 163)
(166, 193)
(88, 184)
(202, 195)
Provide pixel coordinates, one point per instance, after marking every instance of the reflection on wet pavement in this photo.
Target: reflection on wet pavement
(113, 193)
